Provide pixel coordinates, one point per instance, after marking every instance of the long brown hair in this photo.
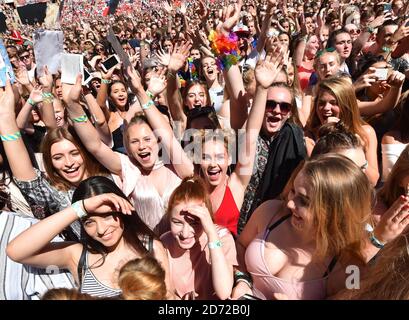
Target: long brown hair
(341, 198)
(344, 94)
(388, 278)
(92, 166)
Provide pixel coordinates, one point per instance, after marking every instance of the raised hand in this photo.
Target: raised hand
(163, 57)
(182, 8)
(46, 80)
(37, 95)
(394, 221)
(7, 100)
(231, 17)
(107, 203)
(22, 76)
(108, 75)
(135, 80)
(366, 80)
(266, 71)
(202, 11)
(167, 7)
(179, 56)
(396, 79)
(72, 93)
(203, 214)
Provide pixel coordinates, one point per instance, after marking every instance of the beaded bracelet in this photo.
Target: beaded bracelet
(79, 209)
(106, 81)
(11, 137)
(147, 105)
(81, 119)
(215, 244)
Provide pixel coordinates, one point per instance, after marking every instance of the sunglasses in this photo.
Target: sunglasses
(285, 107)
(355, 31)
(25, 57)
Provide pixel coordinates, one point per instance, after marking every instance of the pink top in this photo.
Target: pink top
(148, 203)
(265, 284)
(191, 271)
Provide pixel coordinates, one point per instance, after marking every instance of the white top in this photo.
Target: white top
(390, 154)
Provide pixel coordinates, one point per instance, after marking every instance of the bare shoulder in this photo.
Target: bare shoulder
(265, 212)
(369, 130)
(391, 137)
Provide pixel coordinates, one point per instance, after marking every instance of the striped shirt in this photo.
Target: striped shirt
(91, 285)
(23, 282)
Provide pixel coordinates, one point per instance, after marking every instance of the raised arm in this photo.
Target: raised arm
(14, 147)
(266, 71)
(47, 109)
(86, 131)
(179, 159)
(174, 62)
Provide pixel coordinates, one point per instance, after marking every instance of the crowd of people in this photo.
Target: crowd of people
(249, 149)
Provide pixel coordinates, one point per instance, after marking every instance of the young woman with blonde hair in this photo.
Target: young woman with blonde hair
(298, 247)
(336, 100)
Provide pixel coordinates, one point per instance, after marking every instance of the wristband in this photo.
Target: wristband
(147, 105)
(370, 30)
(31, 102)
(106, 81)
(245, 281)
(376, 242)
(47, 95)
(11, 137)
(215, 244)
(79, 209)
(80, 119)
(149, 94)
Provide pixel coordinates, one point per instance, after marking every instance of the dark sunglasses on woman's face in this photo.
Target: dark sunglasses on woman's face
(285, 107)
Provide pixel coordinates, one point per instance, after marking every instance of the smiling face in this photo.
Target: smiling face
(209, 69)
(119, 95)
(106, 229)
(215, 161)
(298, 203)
(59, 112)
(327, 106)
(68, 161)
(275, 118)
(142, 145)
(185, 228)
(196, 97)
(312, 47)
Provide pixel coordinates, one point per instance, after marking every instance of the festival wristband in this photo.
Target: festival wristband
(79, 209)
(149, 94)
(81, 119)
(376, 242)
(31, 102)
(11, 137)
(215, 244)
(147, 105)
(106, 81)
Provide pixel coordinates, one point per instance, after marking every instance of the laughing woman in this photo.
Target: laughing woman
(336, 100)
(201, 254)
(66, 162)
(112, 234)
(146, 180)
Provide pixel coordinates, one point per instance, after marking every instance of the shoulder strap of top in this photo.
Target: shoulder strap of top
(278, 222)
(81, 266)
(331, 266)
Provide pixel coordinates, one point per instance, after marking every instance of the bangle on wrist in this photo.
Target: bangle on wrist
(79, 209)
(215, 244)
(375, 241)
(245, 281)
(11, 137)
(106, 81)
(147, 105)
